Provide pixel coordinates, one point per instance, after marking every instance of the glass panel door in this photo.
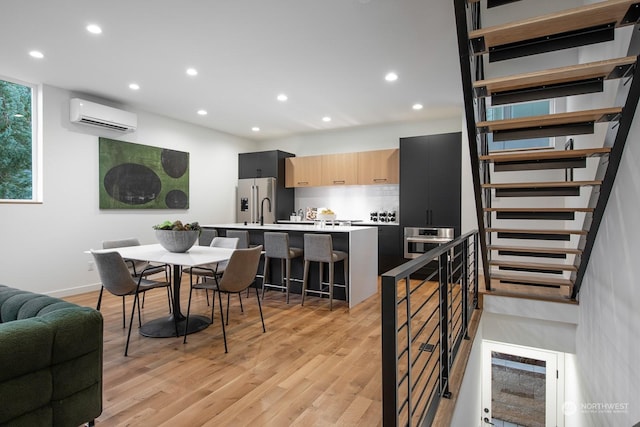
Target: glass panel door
(519, 386)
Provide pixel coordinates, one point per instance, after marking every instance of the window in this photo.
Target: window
(539, 108)
(19, 154)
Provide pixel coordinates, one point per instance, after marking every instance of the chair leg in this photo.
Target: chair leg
(224, 333)
(305, 277)
(133, 309)
(288, 279)
(331, 277)
(124, 321)
(228, 303)
(282, 268)
(264, 274)
(260, 308)
(143, 295)
(186, 324)
(321, 270)
(100, 298)
(240, 298)
(140, 315)
(346, 279)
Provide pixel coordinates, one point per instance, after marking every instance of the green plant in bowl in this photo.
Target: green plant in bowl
(176, 236)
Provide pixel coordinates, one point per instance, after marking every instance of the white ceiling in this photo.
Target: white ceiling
(328, 56)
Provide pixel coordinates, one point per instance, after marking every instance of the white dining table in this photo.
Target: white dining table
(155, 253)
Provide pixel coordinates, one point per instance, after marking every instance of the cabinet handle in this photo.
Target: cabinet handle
(339, 182)
(379, 179)
(303, 182)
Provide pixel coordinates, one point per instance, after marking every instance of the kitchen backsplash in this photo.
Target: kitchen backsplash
(354, 202)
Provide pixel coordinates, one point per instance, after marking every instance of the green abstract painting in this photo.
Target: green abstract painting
(135, 176)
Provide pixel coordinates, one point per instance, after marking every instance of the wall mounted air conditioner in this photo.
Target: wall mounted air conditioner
(90, 113)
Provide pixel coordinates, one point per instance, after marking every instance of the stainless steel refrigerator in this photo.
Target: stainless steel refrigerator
(256, 196)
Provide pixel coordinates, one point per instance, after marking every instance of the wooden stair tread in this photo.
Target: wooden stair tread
(538, 209)
(557, 184)
(573, 73)
(533, 265)
(572, 117)
(533, 279)
(535, 249)
(528, 292)
(528, 231)
(591, 15)
(546, 155)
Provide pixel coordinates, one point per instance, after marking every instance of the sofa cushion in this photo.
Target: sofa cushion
(16, 304)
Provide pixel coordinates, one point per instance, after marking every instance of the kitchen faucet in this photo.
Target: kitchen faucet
(262, 209)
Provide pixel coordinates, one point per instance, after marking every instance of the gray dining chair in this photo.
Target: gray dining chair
(206, 275)
(137, 269)
(238, 277)
(116, 278)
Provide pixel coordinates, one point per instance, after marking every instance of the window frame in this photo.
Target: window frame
(36, 143)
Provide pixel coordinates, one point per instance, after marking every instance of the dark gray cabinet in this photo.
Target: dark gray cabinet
(263, 164)
(430, 181)
(390, 253)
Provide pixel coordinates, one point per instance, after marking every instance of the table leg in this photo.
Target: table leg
(166, 327)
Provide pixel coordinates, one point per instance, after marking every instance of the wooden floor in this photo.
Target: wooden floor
(312, 367)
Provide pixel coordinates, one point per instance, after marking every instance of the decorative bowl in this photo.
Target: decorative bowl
(326, 217)
(177, 240)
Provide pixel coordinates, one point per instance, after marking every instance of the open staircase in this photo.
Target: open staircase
(539, 210)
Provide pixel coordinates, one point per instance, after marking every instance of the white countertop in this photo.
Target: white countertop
(290, 227)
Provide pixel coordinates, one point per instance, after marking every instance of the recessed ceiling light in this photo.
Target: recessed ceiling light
(36, 54)
(202, 112)
(255, 129)
(417, 106)
(192, 71)
(391, 76)
(134, 86)
(94, 29)
(282, 97)
(326, 119)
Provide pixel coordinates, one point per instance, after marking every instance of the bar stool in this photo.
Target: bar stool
(319, 248)
(243, 237)
(276, 245)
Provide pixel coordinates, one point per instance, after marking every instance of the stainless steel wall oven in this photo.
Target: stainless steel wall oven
(419, 240)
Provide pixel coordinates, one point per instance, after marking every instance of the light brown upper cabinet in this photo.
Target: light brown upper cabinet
(340, 169)
(302, 171)
(379, 167)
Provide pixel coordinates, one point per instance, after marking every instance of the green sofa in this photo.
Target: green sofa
(50, 361)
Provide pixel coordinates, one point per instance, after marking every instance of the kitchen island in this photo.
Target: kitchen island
(361, 243)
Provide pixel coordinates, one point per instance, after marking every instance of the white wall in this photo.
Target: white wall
(608, 336)
(42, 244)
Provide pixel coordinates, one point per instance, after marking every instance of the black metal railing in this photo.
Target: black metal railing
(426, 309)
(468, 17)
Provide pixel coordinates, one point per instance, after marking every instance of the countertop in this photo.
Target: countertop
(353, 223)
(290, 227)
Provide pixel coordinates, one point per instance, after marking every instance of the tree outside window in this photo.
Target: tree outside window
(16, 142)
